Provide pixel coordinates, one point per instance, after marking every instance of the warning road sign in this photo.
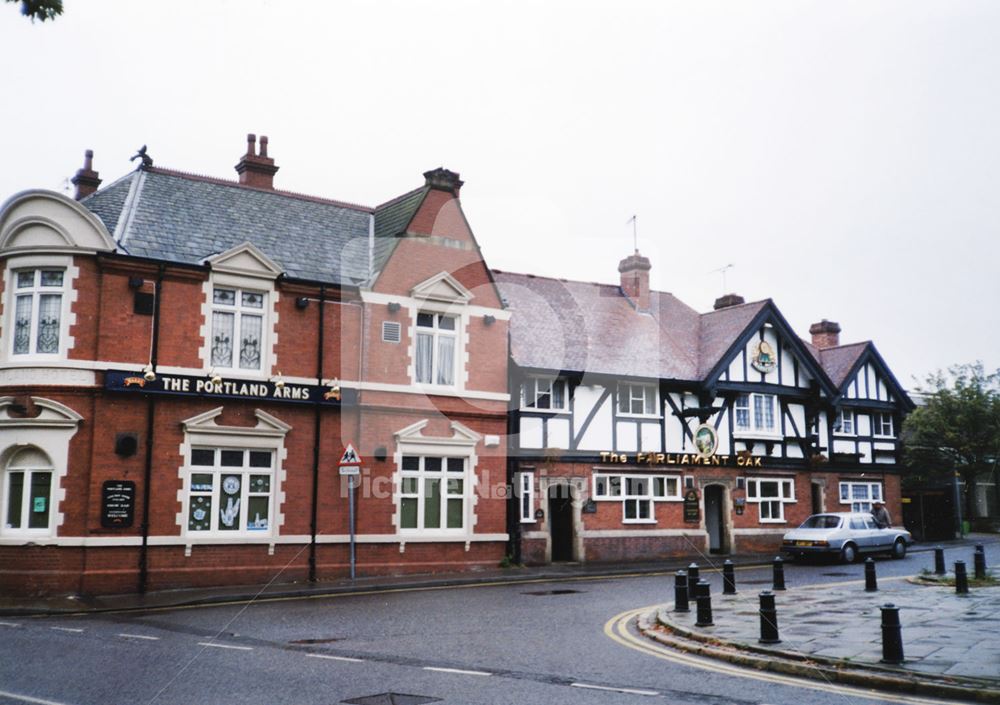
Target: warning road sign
(350, 457)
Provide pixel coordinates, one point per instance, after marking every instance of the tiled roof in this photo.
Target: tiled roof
(839, 361)
(186, 218)
(391, 219)
(567, 325)
(718, 330)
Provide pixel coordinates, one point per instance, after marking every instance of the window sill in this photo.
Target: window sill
(758, 435)
(644, 417)
(772, 521)
(638, 521)
(534, 410)
(529, 521)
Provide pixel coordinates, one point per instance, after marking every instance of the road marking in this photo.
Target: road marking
(225, 646)
(337, 658)
(457, 670)
(9, 624)
(139, 636)
(616, 629)
(629, 691)
(67, 629)
(28, 699)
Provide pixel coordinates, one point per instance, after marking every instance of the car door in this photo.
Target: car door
(880, 538)
(863, 533)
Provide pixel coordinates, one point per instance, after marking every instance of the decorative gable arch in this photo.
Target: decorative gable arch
(245, 260)
(45, 221)
(442, 287)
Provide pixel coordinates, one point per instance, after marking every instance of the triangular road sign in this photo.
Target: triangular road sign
(350, 457)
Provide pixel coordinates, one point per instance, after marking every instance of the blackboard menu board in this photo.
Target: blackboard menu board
(117, 504)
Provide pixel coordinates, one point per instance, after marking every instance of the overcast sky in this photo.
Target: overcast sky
(844, 157)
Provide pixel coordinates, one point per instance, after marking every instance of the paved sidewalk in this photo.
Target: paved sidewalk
(949, 640)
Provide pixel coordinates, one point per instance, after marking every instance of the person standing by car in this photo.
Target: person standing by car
(881, 515)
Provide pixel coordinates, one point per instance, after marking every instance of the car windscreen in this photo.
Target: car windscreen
(821, 521)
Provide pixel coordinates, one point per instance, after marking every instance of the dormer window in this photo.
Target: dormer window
(435, 348)
(38, 309)
(545, 394)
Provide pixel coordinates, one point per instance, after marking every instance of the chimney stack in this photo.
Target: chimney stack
(86, 179)
(255, 169)
(825, 334)
(444, 180)
(634, 271)
(728, 300)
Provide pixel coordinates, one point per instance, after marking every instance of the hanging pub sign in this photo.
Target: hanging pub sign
(706, 440)
(218, 387)
(691, 513)
(117, 504)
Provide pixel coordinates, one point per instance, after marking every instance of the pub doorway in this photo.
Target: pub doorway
(817, 498)
(715, 518)
(561, 521)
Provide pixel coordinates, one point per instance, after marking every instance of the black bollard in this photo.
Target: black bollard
(892, 635)
(961, 578)
(980, 548)
(681, 592)
(728, 578)
(768, 619)
(704, 597)
(939, 568)
(778, 570)
(692, 579)
(871, 582)
(979, 560)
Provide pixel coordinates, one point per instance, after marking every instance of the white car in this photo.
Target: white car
(846, 535)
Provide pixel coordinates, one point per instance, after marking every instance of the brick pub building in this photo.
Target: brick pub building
(184, 359)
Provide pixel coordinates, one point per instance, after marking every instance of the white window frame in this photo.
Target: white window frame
(537, 389)
(771, 507)
(66, 291)
(845, 423)
(268, 336)
(614, 487)
(747, 404)
(221, 491)
(526, 497)
(201, 432)
(444, 476)
(239, 312)
(436, 333)
(28, 471)
(649, 392)
(850, 493)
(880, 420)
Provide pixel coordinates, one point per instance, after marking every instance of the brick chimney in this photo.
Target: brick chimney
(86, 179)
(444, 180)
(634, 271)
(825, 334)
(728, 300)
(256, 169)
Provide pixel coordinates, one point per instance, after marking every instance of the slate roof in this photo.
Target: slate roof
(718, 330)
(391, 219)
(186, 218)
(839, 361)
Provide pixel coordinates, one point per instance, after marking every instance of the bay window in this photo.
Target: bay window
(436, 340)
(755, 413)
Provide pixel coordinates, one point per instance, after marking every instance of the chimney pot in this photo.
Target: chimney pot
(634, 271)
(256, 170)
(825, 334)
(444, 180)
(728, 300)
(86, 179)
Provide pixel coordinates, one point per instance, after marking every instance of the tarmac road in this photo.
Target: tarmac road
(528, 643)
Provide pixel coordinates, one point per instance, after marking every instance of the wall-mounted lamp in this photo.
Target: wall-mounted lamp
(301, 303)
(279, 383)
(214, 377)
(148, 373)
(393, 307)
(489, 319)
(135, 282)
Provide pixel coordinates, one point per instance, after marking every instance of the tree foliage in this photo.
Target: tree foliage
(40, 9)
(958, 429)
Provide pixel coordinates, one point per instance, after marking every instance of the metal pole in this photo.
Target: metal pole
(778, 573)
(961, 578)
(958, 506)
(871, 582)
(350, 502)
(704, 597)
(768, 619)
(728, 578)
(892, 635)
(693, 576)
(939, 567)
(979, 561)
(681, 592)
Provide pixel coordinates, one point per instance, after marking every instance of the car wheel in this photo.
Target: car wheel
(899, 549)
(849, 553)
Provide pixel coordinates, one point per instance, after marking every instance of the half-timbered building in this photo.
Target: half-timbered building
(646, 429)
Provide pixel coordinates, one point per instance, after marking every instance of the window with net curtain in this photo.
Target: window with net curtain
(435, 349)
(38, 297)
(755, 412)
(27, 493)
